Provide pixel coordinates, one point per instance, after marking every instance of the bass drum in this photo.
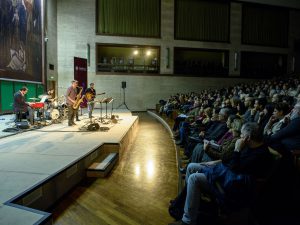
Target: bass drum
(54, 114)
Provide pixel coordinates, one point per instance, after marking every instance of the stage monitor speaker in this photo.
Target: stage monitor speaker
(123, 84)
(93, 127)
(22, 125)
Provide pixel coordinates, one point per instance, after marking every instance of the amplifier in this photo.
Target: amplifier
(22, 124)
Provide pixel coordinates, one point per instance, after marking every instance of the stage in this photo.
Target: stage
(39, 166)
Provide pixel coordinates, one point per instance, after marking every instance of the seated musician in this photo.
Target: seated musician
(90, 94)
(20, 106)
(48, 98)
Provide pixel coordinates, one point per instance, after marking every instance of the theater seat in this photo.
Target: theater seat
(246, 214)
(296, 157)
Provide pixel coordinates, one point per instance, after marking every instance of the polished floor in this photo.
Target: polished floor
(137, 191)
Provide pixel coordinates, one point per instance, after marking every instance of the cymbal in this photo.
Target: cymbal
(35, 99)
(48, 96)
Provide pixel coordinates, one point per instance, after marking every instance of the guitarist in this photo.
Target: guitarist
(90, 94)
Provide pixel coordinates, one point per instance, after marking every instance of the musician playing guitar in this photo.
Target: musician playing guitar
(90, 94)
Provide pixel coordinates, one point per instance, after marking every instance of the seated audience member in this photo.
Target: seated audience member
(265, 115)
(191, 114)
(288, 138)
(249, 104)
(199, 154)
(210, 128)
(223, 149)
(259, 106)
(251, 159)
(200, 123)
(276, 98)
(276, 121)
(241, 109)
(218, 129)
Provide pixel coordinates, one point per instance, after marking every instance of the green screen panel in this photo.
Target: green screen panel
(7, 95)
(40, 89)
(31, 92)
(18, 86)
(31, 89)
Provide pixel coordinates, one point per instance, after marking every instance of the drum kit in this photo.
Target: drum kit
(55, 109)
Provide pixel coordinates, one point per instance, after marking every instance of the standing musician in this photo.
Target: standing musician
(71, 99)
(20, 106)
(90, 94)
(78, 90)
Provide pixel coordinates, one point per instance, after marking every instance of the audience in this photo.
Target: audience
(268, 108)
(250, 160)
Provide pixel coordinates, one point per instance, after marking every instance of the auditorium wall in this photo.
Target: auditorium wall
(51, 40)
(76, 29)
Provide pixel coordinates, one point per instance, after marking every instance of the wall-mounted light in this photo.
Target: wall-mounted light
(88, 53)
(293, 64)
(167, 57)
(135, 52)
(236, 59)
(148, 52)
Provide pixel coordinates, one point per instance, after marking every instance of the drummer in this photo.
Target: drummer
(48, 98)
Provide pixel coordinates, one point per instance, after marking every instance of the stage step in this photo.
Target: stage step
(101, 169)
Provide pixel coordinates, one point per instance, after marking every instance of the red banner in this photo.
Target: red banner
(80, 74)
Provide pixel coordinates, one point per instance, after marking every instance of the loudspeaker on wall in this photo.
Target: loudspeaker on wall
(123, 84)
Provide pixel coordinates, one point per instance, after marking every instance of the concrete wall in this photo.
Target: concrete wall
(76, 29)
(51, 41)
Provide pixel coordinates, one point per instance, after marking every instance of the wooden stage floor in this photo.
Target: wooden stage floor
(30, 158)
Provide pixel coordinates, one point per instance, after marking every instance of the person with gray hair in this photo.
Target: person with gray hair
(251, 159)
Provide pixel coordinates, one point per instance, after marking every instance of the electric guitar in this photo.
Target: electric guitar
(90, 96)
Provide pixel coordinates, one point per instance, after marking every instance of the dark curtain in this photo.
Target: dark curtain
(202, 20)
(264, 25)
(139, 18)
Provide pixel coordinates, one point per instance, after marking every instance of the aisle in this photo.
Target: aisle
(137, 191)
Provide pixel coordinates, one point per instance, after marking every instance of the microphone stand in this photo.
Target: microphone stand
(124, 103)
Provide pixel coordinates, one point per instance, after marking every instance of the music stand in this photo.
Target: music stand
(124, 103)
(101, 101)
(107, 100)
